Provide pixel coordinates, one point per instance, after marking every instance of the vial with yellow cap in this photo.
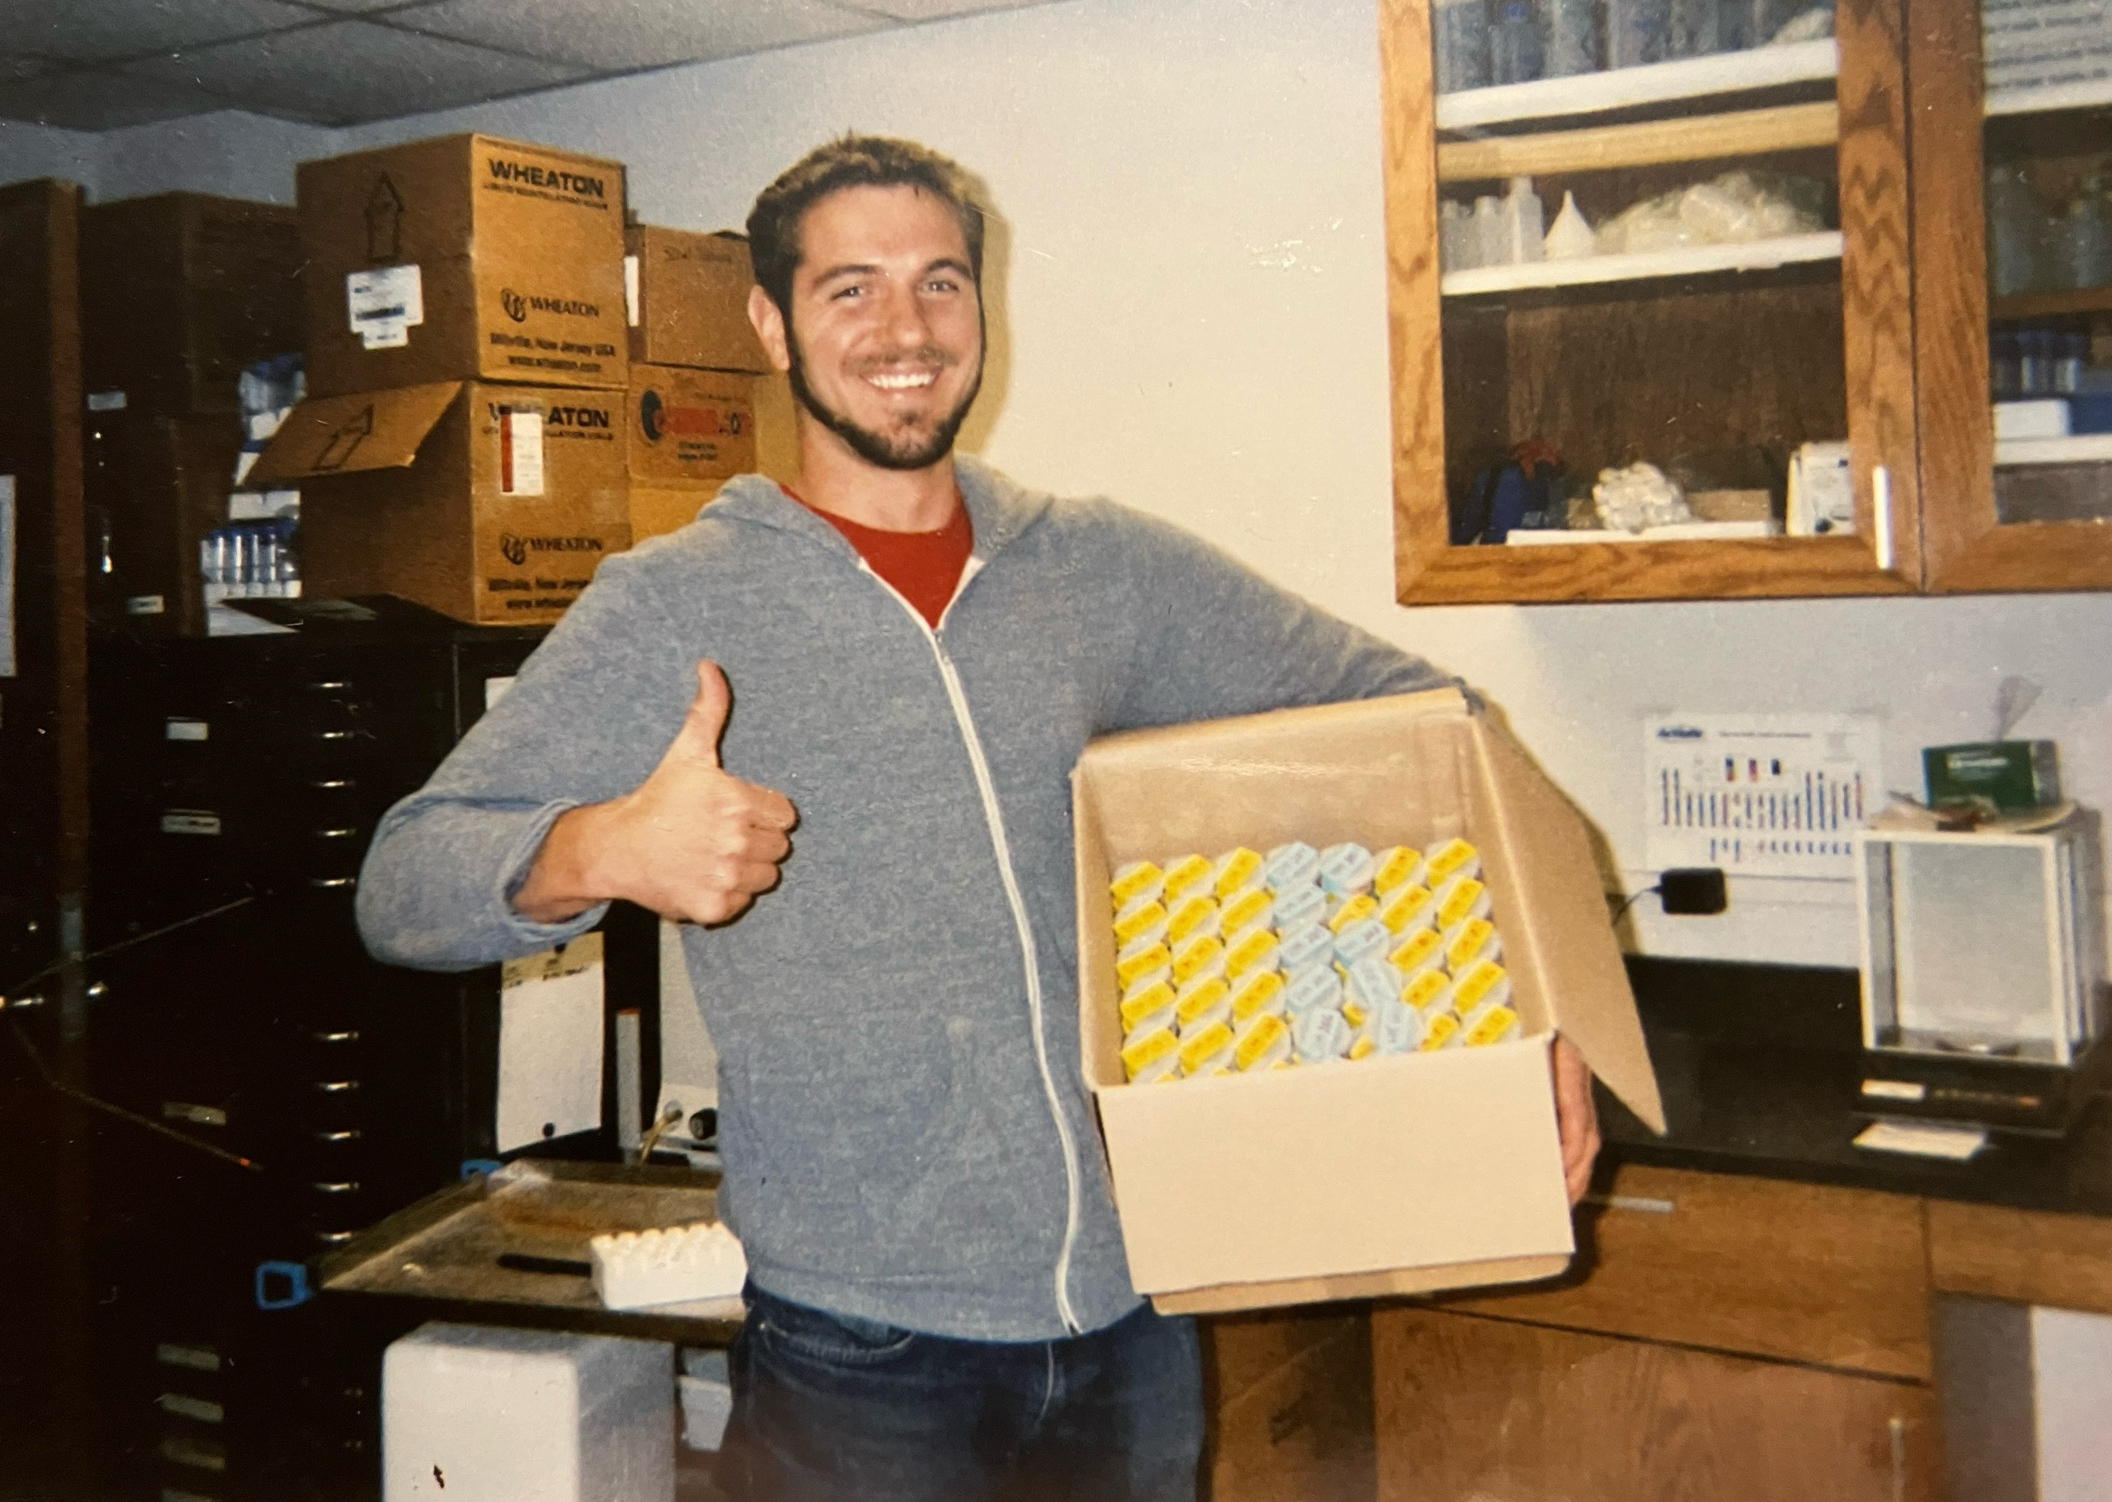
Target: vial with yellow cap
(1429, 992)
(1199, 956)
(1439, 1031)
(1259, 994)
(1189, 916)
(1200, 1003)
(1469, 940)
(1492, 1024)
(1353, 910)
(1134, 962)
(1151, 1057)
(1207, 1051)
(1483, 981)
(1408, 908)
(1237, 870)
(1148, 1010)
(1453, 858)
(1184, 875)
(1141, 917)
(1262, 1044)
(1422, 950)
(1459, 899)
(1256, 949)
(1253, 908)
(1135, 879)
(1395, 867)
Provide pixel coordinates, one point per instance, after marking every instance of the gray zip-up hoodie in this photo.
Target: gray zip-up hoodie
(905, 1131)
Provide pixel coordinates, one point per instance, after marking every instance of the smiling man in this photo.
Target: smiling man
(897, 658)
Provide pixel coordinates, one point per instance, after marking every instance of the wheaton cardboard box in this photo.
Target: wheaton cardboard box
(492, 504)
(460, 258)
(690, 431)
(1389, 1175)
(688, 299)
(179, 292)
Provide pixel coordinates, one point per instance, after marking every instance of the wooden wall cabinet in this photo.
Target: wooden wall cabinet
(1876, 334)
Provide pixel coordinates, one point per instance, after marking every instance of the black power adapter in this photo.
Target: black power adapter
(1694, 890)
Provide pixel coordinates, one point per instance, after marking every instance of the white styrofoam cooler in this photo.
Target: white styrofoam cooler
(477, 1414)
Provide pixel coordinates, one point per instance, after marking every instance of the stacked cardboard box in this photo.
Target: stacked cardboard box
(467, 368)
(179, 293)
(694, 367)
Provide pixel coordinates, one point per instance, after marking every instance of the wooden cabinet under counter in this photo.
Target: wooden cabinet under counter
(1792, 1272)
(2022, 1256)
(1469, 1407)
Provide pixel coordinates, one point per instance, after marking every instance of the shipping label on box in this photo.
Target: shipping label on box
(463, 257)
(490, 503)
(1390, 1174)
(690, 427)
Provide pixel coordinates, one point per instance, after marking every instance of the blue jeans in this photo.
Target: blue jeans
(827, 1407)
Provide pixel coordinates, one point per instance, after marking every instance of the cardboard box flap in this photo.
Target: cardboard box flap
(345, 434)
(1595, 1007)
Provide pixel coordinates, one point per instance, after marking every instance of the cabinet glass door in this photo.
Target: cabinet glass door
(1649, 298)
(2017, 221)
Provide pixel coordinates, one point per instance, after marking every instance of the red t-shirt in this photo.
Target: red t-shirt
(923, 567)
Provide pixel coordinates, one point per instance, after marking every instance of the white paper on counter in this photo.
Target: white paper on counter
(550, 1007)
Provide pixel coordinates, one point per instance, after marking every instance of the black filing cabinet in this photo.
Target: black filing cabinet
(236, 783)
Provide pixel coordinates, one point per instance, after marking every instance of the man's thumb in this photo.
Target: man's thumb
(698, 739)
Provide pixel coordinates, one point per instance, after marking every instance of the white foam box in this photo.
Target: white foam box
(1389, 1175)
(477, 1414)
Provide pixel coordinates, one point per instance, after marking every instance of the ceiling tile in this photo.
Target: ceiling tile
(639, 33)
(101, 101)
(345, 72)
(933, 10)
(97, 32)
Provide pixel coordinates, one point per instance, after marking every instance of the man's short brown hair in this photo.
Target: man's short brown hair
(852, 161)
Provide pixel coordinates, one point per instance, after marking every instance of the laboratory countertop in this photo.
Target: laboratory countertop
(1759, 1067)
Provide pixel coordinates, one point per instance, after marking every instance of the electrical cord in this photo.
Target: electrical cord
(1630, 901)
(11, 1000)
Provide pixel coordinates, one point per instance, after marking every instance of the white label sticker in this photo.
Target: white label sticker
(630, 290)
(520, 452)
(146, 605)
(190, 821)
(496, 689)
(186, 730)
(1895, 1090)
(384, 305)
(106, 401)
(550, 1007)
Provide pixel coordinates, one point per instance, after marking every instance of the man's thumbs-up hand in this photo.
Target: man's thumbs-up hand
(691, 842)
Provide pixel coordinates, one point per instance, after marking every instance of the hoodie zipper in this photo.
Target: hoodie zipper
(993, 816)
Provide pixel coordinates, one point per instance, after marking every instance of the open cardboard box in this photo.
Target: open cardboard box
(1390, 1175)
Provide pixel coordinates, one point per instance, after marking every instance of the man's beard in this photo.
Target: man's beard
(904, 450)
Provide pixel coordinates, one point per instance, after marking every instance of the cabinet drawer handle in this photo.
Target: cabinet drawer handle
(333, 881)
(332, 735)
(1639, 1202)
(336, 1186)
(331, 784)
(335, 834)
(1881, 514)
(346, 1134)
(334, 1238)
(337, 1087)
(330, 686)
(348, 1035)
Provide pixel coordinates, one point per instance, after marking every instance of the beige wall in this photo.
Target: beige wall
(1193, 300)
